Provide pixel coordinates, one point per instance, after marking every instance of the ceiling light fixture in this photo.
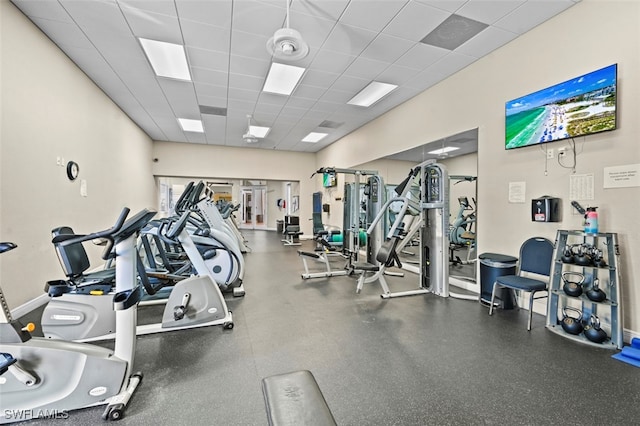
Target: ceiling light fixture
(443, 150)
(372, 94)
(189, 125)
(254, 133)
(282, 79)
(166, 59)
(287, 44)
(314, 137)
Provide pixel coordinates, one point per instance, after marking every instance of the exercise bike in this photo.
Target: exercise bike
(461, 234)
(40, 377)
(80, 313)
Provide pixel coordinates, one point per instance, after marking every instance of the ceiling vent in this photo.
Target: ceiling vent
(330, 124)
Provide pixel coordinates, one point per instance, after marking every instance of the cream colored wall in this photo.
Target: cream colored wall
(202, 161)
(51, 109)
(590, 35)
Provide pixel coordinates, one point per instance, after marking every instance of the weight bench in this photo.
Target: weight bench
(320, 257)
(294, 399)
(291, 234)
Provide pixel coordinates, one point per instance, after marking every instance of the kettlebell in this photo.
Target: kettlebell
(598, 259)
(572, 288)
(567, 254)
(583, 258)
(595, 294)
(570, 324)
(593, 332)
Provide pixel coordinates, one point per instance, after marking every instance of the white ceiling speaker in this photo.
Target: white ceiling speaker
(287, 44)
(248, 137)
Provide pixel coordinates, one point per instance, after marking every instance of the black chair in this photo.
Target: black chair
(536, 257)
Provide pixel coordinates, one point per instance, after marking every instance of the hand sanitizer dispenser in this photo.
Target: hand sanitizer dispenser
(545, 209)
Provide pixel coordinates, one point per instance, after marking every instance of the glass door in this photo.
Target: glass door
(254, 207)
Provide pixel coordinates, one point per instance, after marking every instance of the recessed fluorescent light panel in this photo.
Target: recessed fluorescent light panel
(372, 94)
(443, 150)
(282, 79)
(191, 125)
(314, 137)
(167, 59)
(259, 131)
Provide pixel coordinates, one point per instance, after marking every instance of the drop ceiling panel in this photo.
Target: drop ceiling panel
(208, 37)
(397, 74)
(45, 9)
(249, 66)
(292, 112)
(256, 17)
(488, 11)
(448, 5)
(486, 42)
(451, 64)
(65, 33)
(421, 56)
(530, 14)
(309, 92)
(328, 9)
(245, 82)
(210, 91)
(250, 45)
(366, 68)
(350, 84)
(318, 78)
(348, 39)
(217, 13)
(181, 97)
(153, 26)
(211, 59)
(146, 7)
(243, 94)
(371, 15)
(415, 21)
(338, 97)
(351, 43)
(207, 76)
(297, 102)
(332, 62)
(193, 137)
(387, 48)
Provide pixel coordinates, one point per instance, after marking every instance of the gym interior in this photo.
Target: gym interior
(71, 156)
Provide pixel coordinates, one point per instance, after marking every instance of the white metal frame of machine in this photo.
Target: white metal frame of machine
(434, 234)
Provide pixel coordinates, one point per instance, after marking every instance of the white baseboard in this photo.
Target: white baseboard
(30, 306)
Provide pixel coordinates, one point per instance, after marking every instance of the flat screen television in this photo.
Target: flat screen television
(329, 180)
(578, 107)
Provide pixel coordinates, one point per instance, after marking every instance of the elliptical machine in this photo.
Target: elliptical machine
(42, 377)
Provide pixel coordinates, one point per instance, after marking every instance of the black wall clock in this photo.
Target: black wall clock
(72, 170)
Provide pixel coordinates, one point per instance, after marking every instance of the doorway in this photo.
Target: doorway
(253, 207)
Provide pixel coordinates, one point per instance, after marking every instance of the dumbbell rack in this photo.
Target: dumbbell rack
(607, 311)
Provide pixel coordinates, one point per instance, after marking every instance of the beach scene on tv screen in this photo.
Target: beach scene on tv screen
(578, 107)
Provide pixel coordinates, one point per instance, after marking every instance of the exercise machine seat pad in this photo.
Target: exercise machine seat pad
(294, 399)
(308, 254)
